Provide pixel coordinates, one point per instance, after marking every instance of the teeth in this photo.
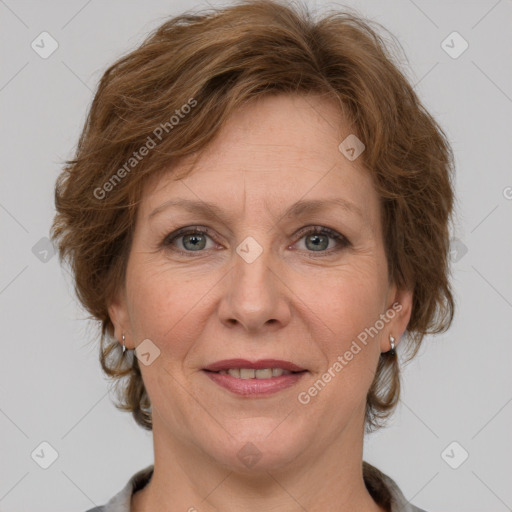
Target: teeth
(246, 373)
(265, 373)
(249, 373)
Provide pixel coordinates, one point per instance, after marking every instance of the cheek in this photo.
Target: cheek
(349, 300)
(350, 356)
(162, 301)
(171, 307)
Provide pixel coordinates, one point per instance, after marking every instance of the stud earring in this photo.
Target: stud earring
(124, 346)
(392, 343)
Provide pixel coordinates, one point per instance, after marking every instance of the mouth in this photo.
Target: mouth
(257, 378)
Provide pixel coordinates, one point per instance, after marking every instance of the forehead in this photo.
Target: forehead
(271, 153)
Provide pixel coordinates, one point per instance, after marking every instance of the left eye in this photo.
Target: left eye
(316, 238)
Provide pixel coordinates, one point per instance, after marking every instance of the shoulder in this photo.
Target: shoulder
(385, 491)
(122, 500)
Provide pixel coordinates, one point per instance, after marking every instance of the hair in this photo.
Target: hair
(217, 60)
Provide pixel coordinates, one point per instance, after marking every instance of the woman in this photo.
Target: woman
(258, 215)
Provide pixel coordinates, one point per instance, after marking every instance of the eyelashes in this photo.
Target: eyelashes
(198, 234)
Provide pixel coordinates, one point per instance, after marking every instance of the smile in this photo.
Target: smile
(255, 383)
(254, 378)
(249, 373)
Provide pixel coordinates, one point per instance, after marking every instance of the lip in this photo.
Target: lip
(255, 387)
(227, 364)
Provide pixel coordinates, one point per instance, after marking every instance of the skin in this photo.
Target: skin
(291, 303)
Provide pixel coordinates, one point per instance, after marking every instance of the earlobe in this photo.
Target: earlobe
(118, 317)
(399, 310)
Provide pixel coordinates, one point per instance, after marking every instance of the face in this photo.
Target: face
(256, 279)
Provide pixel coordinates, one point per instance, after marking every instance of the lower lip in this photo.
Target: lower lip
(255, 387)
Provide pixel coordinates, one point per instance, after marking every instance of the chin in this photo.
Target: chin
(259, 450)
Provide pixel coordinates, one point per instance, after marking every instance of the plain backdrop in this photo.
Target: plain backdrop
(457, 394)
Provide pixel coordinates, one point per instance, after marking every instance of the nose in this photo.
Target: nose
(255, 295)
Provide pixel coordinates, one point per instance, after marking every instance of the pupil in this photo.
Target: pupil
(317, 242)
(195, 241)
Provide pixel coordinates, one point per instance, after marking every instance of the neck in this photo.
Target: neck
(185, 479)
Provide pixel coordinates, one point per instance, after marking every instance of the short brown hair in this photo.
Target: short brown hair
(221, 59)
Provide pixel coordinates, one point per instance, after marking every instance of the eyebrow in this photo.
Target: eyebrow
(298, 209)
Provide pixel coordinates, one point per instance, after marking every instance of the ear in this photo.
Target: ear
(120, 318)
(399, 309)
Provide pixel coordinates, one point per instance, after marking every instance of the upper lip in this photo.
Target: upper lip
(226, 364)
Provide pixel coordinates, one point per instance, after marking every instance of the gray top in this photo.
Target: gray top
(382, 488)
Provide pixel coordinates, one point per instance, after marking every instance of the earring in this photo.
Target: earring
(124, 346)
(392, 343)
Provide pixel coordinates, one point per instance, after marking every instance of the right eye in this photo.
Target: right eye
(190, 239)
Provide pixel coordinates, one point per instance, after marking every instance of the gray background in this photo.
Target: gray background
(51, 385)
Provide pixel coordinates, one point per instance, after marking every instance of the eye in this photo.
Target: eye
(194, 239)
(316, 239)
(189, 239)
